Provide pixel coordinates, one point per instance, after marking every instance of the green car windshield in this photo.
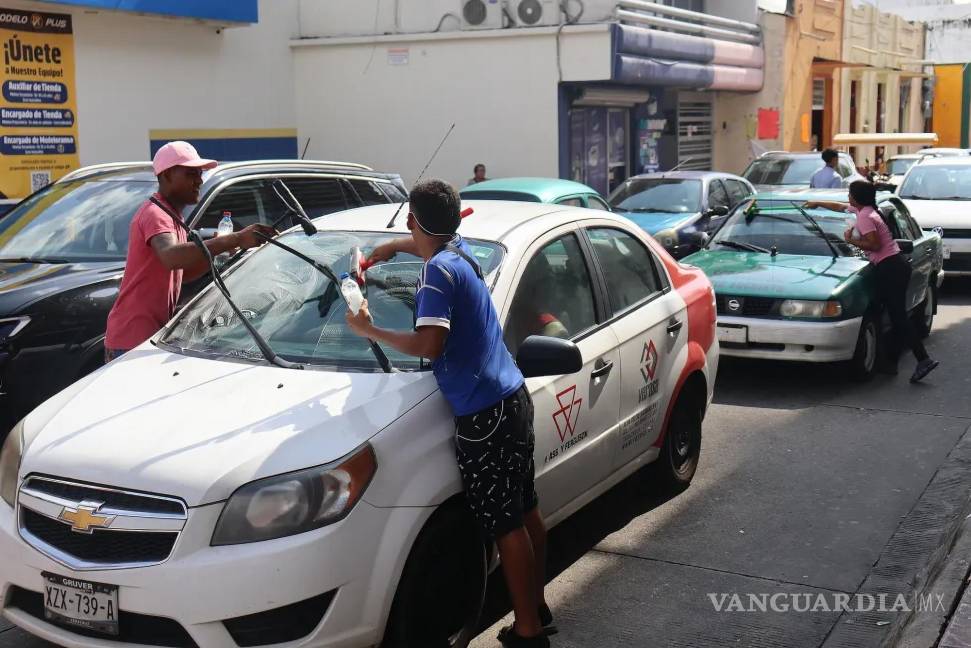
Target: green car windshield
(299, 311)
(783, 227)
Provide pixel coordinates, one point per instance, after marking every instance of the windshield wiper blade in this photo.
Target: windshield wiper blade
(748, 247)
(325, 269)
(639, 210)
(28, 259)
(820, 231)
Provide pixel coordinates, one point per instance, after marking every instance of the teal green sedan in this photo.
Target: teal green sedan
(541, 190)
(788, 287)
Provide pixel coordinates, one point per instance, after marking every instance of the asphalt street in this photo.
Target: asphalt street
(808, 483)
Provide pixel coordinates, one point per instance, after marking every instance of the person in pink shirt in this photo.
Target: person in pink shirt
(892, 272)
(160, 257)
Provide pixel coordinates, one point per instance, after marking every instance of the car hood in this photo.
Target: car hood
(200, 428)
(940, 213)
(784, 275)
(654, 222)
(22, 284)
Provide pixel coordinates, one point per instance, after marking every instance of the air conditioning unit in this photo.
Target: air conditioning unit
(481, 14)
(537, 13)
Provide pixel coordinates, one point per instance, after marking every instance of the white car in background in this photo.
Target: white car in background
(937, 192)
(193, 494)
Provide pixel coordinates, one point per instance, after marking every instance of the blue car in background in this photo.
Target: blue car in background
(541, 190)
(680, 208)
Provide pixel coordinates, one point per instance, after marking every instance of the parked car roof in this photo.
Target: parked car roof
(946, 161)
(544, 189)
(687, 175)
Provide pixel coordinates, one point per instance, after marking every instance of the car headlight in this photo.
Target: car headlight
(295, 502)
(10, 456)
(813, 309)
(11, 326)
(667, 237)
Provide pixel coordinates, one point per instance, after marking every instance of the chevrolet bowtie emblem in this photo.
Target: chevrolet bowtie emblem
(85, 517)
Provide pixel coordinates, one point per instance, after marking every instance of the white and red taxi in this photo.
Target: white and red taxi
(192, 494)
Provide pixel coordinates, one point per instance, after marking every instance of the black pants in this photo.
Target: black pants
(893, 281)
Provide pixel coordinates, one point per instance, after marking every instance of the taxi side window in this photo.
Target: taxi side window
(554, 296)
(244, 202)
(628, 267)
(319, 196)
(571, 202)
(844, 168)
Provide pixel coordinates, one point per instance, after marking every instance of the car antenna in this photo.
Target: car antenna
(421, 175)
(687, 160)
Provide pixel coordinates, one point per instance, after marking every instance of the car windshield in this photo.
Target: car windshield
(79, 221)
(938, 182)
(299, 310)
(782, 227)
(783, 170)
(674, 195)
(899, 166)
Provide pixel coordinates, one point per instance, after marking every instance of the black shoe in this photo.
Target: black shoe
(545, 620)
(924, 367)
(509, 639)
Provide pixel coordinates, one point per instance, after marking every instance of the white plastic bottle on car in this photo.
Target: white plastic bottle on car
(351, 292)
(225, 225)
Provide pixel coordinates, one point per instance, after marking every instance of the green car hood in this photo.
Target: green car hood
(789, 276)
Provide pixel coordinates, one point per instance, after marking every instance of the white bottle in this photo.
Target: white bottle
(352, 293)
(225, 225)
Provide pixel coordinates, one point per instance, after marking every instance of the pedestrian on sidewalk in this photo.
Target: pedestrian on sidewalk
(458, 329)
(892, 272)
(160, 257)
(478, 174)
(827, 177)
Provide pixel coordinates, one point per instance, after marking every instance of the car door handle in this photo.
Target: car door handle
(601, 369)
(674, 327)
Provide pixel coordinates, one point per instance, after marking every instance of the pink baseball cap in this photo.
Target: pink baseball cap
(176, 154)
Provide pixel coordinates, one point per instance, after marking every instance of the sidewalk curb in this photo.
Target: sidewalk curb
(928, 628)
(915, 554)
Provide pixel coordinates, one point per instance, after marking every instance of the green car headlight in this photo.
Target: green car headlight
(10, 456)
(810, 309)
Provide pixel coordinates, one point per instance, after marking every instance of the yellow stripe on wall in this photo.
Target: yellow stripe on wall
(220, 133)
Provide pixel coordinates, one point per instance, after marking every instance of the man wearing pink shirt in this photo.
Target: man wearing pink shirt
(892, 272)
(160, 257)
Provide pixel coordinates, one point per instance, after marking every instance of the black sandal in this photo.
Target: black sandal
(509, 639)
(545, 620)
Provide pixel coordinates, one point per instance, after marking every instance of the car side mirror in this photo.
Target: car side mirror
(540, 355)
(906, 246)
(719, 210)
(697, 239)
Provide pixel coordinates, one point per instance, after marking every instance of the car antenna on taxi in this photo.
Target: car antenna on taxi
(421, 175)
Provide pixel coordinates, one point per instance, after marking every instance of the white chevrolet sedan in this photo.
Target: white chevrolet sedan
(191, 493)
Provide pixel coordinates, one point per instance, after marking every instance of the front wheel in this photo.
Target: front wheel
(864, 360)
(442, 588)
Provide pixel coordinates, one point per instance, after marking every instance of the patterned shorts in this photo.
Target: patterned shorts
(494, 449)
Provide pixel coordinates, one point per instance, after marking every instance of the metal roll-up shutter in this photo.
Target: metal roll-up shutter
(694, 131)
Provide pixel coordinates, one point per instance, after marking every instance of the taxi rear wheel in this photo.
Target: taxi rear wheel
(864, 360)
(678, 461)
(442, 589)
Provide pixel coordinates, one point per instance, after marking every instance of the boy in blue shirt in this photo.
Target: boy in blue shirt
(458, 329)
